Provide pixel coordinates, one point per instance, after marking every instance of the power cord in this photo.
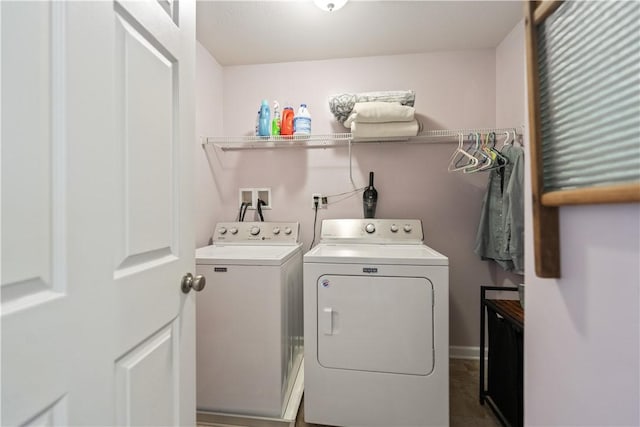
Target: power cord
(346, 194)
(260, 204)
(316, 201)
(240, 211)
(243, 210)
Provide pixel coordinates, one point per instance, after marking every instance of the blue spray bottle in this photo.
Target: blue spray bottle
(264, 123)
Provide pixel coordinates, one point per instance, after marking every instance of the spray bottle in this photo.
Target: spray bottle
(264, 123)
(275, 122)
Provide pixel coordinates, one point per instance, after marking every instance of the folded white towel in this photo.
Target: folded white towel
(380, 112)
(342, 104)
(384, 130)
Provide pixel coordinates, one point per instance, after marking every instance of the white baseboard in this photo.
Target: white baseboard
(464, 352)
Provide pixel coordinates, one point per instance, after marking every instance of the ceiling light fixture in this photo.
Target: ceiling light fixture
(330, 5)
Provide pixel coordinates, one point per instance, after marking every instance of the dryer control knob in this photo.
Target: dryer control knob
(254, 230)
(276, 230)
(370, 228)
(287, 230)
(222, 230)
(233, 230)
(394, 228)
(407, 228)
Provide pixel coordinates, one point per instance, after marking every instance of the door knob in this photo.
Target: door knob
(196, 283)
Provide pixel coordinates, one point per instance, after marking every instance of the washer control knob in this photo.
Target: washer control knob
(287, 230)
(233, 230)
(276, 230)
(222, 230)
(370, 228)
(394, 228)
(255, 230)
(407, 228)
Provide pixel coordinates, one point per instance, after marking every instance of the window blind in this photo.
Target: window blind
(589, 80)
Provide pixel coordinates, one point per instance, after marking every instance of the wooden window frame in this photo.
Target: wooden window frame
(545, 204)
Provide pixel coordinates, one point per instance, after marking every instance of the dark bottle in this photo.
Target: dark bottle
(370, 199)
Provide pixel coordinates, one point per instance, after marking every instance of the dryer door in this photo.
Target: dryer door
(375, 324)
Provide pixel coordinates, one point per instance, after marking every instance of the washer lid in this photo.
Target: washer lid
(375, 254)
(246, 255)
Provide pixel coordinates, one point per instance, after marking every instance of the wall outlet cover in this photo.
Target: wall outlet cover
(251, 196)
(322, 201)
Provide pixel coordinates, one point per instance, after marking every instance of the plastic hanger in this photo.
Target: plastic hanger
(490, 163)
(484, 160)
(507, 139)
(499, 160)
(471, 149)
(460, 151)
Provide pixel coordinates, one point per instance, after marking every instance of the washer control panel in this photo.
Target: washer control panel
(269, 233)
(397, 231)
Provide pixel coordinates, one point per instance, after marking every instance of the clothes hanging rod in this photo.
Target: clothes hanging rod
(455, 132)
(442, 134)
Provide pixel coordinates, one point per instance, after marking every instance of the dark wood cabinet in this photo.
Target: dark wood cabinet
(503, 388)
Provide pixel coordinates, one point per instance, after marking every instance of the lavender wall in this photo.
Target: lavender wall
(209, 92)
(453, 90)
(582, 365)
(511, 79)
(582, 361)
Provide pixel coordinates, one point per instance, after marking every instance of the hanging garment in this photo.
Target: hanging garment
(500, 234)
(514, 215)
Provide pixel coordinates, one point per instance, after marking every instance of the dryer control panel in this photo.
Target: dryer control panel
(370, 230)
(268, 233)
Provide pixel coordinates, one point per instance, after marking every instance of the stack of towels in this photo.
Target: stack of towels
(382, 120)
(382, 114)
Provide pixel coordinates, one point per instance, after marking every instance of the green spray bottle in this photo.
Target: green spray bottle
(275, 122)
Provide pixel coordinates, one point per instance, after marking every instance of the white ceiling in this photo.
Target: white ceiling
(262, 31)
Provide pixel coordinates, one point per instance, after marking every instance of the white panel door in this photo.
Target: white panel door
(97, 147)
(375, 323)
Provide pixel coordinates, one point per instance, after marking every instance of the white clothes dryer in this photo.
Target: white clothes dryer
(376, 326)
(249, 319)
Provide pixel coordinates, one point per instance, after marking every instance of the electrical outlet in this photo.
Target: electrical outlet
(263, 194)
(322, 201)
(246, 196)
(251, 196)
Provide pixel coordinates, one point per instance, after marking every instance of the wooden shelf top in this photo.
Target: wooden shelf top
(508, 308)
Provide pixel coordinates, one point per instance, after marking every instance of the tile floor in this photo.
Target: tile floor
(465, 409)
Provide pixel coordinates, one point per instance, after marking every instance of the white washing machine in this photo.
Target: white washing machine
(376, 326)
(249, 319)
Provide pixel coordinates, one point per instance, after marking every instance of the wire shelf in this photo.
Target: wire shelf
(293, 141)
(339, 139)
